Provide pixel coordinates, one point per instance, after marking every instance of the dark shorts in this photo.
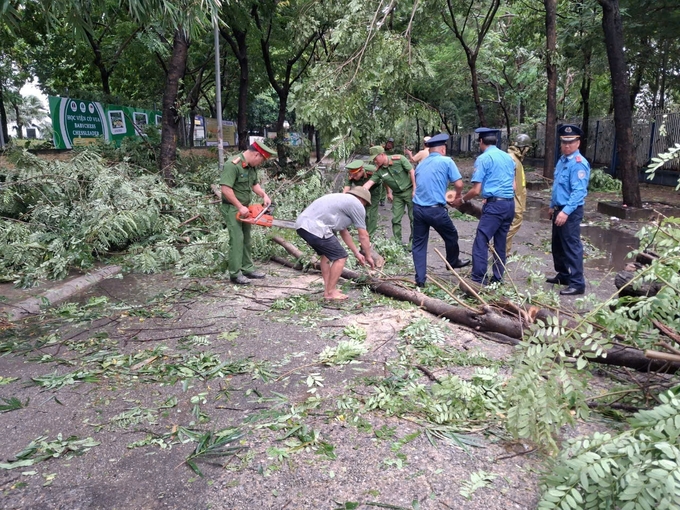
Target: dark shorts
(329, 247)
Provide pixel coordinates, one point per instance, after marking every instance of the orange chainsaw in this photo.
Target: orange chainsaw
(258, 216)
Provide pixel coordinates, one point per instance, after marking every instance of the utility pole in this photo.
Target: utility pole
(218, 95)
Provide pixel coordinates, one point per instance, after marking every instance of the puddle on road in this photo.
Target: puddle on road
(537, 210)
(613, 243)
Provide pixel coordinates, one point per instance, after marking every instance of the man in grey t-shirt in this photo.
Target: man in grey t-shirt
(318, 225)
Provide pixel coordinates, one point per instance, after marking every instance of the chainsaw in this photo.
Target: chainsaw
(258, 216)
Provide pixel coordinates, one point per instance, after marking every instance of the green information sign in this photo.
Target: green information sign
(77, 122)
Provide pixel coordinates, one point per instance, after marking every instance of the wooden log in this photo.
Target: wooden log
(471, 208)
(488, 321)
(622, 282)
(646, 257)
(32, 306)
(666, 356)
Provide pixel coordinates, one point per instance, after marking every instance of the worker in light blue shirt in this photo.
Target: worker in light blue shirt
(433, 176)
(494, 180)
(570, 188)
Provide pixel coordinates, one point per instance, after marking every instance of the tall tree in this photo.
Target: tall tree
(186, 19)
(551, 95)
(627, 169)
(289, 35)
(108, 31)
(478, 17)
(235, 32)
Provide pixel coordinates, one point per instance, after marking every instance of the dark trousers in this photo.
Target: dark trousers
(438, 218)
(567, 249)
(494, 224)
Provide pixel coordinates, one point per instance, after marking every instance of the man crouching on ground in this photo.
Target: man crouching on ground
(318, 225)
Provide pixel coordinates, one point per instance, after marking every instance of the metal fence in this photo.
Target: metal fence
(652, 134)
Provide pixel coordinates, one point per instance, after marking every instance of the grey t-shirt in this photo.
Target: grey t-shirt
(332, 213)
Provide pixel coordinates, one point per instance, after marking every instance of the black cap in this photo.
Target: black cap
(483, 131)
(437, 140)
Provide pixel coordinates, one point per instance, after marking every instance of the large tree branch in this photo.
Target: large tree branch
(266, 55)
(116, 56)
(488, 21)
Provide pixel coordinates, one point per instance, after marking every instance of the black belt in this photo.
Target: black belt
(435, 205)
(496, 199)
(560, 207)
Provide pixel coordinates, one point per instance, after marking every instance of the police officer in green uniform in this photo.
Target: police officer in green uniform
(358, 174)
(238, 180)
(397, 173)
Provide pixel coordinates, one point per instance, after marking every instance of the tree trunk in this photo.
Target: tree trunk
(3, 116)
(551, 99)
(20, 124)
(239, 46)
(192, 127)
(623, 112)
(310, 137)
(32, 306)
(280, 131)
(488, 320)
(317, 139)
(171, 117)
(664, 70)
(472, 62)
(585, 98)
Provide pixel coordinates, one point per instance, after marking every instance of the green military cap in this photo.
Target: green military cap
(369, 168)
(354, 166)
(375, 150)
(266, 151)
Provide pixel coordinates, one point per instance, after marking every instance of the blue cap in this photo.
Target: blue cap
(569, 132)
(485, 131)
(437, 140)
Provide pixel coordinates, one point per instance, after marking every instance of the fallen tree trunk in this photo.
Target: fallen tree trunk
(59, 294)
(646, 289)
(487, 320)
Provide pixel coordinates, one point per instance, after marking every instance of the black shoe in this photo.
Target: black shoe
(461, 263)
(382, 202)
(257, 275)
(556, 280)
(240, 280)
(571, 291)
(420, 284)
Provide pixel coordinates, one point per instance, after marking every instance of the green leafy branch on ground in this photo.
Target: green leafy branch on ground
(41, 449)
(638, 468)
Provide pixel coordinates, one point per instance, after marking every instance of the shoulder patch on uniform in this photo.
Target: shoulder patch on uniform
(236, 160)
(396, 157)
(579, 159)
(581, 174)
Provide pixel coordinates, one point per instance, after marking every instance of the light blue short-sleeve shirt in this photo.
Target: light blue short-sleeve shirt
(433, 175)
(495, 169)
